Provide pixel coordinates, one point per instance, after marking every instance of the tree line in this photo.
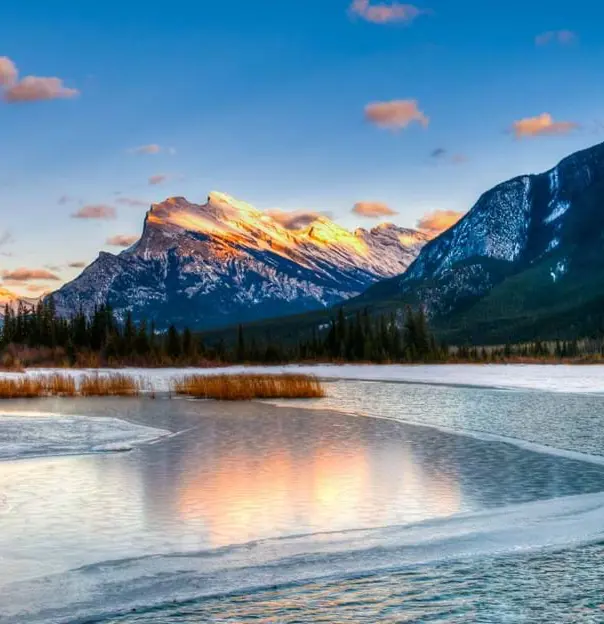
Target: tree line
(40, 334)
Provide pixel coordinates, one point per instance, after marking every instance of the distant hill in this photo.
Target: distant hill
(226, 262)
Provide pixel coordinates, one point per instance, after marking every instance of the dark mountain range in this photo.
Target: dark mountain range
(527, 260)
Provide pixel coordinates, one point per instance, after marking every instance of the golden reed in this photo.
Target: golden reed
(29, 387)
(247, 387)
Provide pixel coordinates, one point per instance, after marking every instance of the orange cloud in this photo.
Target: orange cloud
(294, 220)
(8, 72)
(34, 288)
(434, 223)
(541, 125)
(35, 89)
(153, 148)
(129, 201)
(373, 210)
(95, 211)
(77, 265)
(160, 178)
(563, 37)
(385, 13)
(396, 114)
(122, 240)
(26, 275)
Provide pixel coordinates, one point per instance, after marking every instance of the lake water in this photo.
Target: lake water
(384, 502)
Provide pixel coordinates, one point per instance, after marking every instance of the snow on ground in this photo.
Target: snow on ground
(555, 378)
(31, 434)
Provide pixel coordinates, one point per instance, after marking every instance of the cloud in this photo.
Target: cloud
(95, 211)
(373, 210)
(36, 89)
(159, 178)
(77, 265)
(8, 72)
(396, 114)
(27, 275)
(64, 199)
(153, 148)
(35, 288)
(434, 223)
(122, 240)
(385, 13)
(541, 125)
(562, 37)
(295, 219)
(52, 267)
(6, 238)
(129, 201)
(441, 155)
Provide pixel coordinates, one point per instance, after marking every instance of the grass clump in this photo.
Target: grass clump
(247, 387)
(21, 388)
(109, 385)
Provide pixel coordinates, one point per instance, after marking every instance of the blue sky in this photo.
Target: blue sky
(266, 100)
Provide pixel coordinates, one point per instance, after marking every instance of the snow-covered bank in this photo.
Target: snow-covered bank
(554, 378)
(39, 435)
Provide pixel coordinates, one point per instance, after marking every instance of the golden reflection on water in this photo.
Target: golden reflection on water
(243, 495)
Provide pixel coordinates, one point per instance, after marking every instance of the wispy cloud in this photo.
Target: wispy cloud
(133, 202)
(95, 211)
(436, 222)
(6, 238)
(152, 148)
(77, 265)
(122, 240)
(441, 155)
(385, 12)
(295, 219)
(27, 275)
(396, 114)
(562, 37)
(159, 178)
(8, 72)
(541, 125)
(373, 210)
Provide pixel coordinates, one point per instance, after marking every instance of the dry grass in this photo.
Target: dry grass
(109, 385)
(247, 387)
(29, 387)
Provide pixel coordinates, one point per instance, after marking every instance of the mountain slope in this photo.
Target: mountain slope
(527, 261)
(226, 262)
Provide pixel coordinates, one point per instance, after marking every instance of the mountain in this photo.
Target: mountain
(12, 300)
(526, 261)
(226, 262)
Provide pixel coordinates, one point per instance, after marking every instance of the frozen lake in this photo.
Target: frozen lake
(386, 501)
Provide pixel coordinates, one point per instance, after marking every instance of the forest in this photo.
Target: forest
(40, 337)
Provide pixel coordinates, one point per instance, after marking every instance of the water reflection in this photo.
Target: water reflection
(238, 473)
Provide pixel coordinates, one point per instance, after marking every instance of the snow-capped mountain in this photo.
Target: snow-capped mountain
(13, 300)
(518, 253)
(225, 262)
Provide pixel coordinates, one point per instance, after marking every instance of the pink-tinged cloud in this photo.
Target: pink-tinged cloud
(8, 72)
(35, 289)
(434, 223)
(134, 203)
(542, 125)
(95, 211)
(36, 89)
(159, 178)
(122, 240)
(153, 148)
(395, 115)
(384, 13)
(373, 210)
(77, 265)
(27, 275)
(562, 37)
(295, 219)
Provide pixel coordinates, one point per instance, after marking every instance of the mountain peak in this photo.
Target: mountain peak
(226, 261)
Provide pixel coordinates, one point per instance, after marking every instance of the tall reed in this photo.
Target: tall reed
(109, 385)
(247, 387)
